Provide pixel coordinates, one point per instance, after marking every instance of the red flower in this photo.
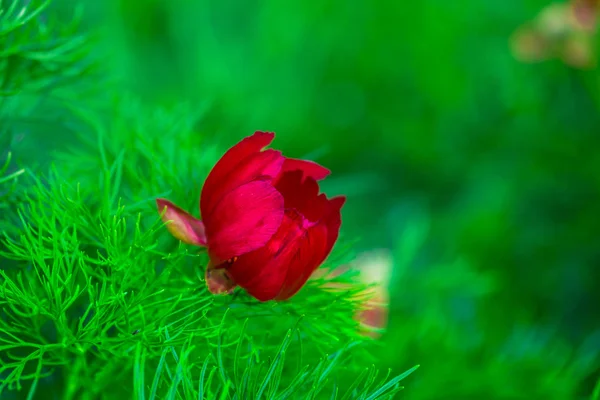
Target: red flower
(265, 225)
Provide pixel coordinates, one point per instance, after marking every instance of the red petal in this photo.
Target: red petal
(229, 161)
(181, 224)
(298, 193)
(281, 268)
(262, 272)
(244, 220)
(333, 220)
(309, 168)
(264, 165)
(311, 252)
(313, 249)
(303, 195)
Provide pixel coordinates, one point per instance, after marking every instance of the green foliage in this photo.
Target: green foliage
(480, 174)
(38, 53)
(97, 300)
(450, 309)
(91, 292)
(94, 292)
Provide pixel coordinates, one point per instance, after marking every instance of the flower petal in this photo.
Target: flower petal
(298, 192)
(262, 272)
(244, 220)
(333, 220)
(232, 157)
(313, 249)
(303, 195)
(181, 224)
(308, 168)
(279, 269)
(311, 252)
(265, 165)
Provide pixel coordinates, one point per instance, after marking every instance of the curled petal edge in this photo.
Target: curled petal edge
(181, 224)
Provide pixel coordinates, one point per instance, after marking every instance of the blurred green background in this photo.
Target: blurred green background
(479, 173)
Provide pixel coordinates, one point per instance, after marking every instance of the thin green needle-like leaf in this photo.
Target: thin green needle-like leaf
(138, 375)
(158, 374)
(390, 384)
(274, 365)
(38, 372)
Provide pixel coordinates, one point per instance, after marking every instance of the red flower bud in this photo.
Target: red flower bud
(265, 225)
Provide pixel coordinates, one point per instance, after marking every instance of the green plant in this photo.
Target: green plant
(96, 299)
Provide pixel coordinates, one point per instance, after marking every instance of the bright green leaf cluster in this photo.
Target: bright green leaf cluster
(38, 54)
(91, 291)
(97, 300)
